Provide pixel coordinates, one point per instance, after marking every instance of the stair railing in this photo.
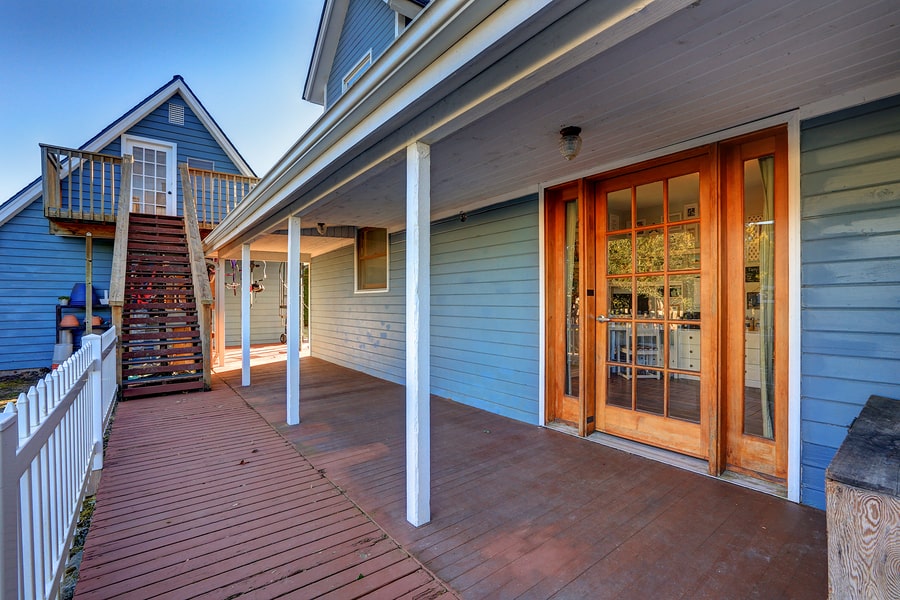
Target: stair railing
(199, 275)
(120, 258)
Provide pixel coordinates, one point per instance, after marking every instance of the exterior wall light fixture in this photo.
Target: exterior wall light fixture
(569, 142)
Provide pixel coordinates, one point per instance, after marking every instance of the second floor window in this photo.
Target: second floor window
(357, 71)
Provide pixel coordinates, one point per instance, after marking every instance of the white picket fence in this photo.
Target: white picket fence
(51, 441)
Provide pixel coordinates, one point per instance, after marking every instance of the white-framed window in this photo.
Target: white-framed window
(371, 265)
(357, 71)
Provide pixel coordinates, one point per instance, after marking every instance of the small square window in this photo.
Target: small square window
(201, 163)
(371, 259)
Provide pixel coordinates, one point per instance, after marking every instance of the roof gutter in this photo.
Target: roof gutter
(448, 41)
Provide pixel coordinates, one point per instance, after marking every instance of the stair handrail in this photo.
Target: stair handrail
(199, 275)
(120, 257)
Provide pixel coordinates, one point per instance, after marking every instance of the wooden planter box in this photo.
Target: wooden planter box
(862, 487)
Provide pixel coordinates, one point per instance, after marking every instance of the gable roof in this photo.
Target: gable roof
(330, 25)
(111, 132)
(334, 12)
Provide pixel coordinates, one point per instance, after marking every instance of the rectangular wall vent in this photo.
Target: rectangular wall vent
(176, 114)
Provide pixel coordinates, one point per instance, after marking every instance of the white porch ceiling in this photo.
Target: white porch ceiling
(709, 67)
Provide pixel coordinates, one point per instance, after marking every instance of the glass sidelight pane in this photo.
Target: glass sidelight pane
(618, 206)
(759, 291)
(573, 336)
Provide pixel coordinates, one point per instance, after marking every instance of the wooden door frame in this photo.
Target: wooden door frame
(773, 140)
(712, 228)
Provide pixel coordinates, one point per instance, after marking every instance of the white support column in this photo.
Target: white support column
(418, 337)
(294, 329)
(245, 314)
(220, 312)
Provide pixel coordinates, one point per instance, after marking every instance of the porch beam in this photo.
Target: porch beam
(418, 338)
(245, 314)
(294, 325)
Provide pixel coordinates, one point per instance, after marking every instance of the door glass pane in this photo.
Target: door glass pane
(684, 297)
(620, 296)
(618, 208)
(651, 253)
(684, 197)
(684, 347)
(651, 393)
(649, 204)
(759, 291)
(620, 342)
(650, 299)
(618, 387)
(684, 247)
(684, 397)
(571, 282)
(618, 254)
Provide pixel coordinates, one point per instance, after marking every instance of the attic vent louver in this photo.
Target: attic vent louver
(176, 114)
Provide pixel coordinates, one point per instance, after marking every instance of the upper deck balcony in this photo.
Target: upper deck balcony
(83, 191)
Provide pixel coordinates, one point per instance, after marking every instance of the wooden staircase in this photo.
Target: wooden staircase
(160, 339)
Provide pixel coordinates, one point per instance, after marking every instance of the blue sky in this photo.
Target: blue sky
(67, 69)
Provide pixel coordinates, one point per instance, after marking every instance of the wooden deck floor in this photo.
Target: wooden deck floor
(520, 511)
(201, 498)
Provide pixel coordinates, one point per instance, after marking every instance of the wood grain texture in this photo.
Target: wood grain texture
(520, 511)
(201, 498)
(863, 543)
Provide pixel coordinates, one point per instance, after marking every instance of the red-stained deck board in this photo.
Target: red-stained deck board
(201, 498)
(519, 511)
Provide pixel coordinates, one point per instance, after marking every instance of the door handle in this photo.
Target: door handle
(603, 319)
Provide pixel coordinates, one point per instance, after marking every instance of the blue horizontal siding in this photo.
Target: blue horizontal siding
(368, 25)
(850, 276)
(484, 312)
(38, 268)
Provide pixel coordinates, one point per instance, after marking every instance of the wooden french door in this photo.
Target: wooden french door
(754, 204)
(653, 293)
(666, 304)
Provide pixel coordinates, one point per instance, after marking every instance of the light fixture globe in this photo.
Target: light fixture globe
(569, 142)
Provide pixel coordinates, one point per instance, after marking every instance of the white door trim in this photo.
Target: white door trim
(171, 148)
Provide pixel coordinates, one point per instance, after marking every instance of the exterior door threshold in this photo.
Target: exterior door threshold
(674, 459)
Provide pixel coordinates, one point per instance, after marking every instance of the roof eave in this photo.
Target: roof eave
(330, 25)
